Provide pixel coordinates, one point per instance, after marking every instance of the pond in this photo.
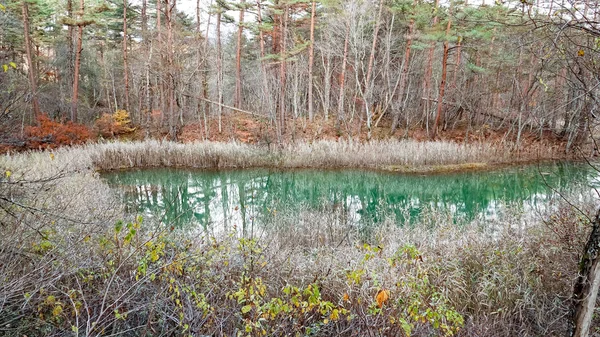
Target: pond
(219, 200)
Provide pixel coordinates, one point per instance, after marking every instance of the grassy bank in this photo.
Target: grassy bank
(68, 266)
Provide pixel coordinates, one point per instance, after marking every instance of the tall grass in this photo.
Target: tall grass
(321, 154)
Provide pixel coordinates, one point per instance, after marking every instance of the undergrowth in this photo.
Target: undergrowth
(70, 266)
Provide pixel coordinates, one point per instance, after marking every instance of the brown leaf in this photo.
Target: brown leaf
(382, 296)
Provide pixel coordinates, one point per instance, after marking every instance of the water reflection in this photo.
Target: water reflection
(219, 200)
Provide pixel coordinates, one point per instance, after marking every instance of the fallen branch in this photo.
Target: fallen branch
(228, 107)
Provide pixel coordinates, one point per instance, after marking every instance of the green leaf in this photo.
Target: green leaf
(12, 64)
(5, 67)
(118, 226)
(246, 309)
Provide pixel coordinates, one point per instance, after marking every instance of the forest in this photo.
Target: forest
(279, 71)
(299, 168)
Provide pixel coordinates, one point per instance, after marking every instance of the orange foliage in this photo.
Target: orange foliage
(51, 134)
(113, 125)
(382, 297)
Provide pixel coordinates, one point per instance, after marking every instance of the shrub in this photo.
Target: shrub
(111, 125)
(49, 133)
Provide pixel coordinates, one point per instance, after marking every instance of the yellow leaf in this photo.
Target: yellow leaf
(57, 311)
(346, 297)
(51, 156)
(335, 315)
(382, 296)
(8, 174)
(581, 53)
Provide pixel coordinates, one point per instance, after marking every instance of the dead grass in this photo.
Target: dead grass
(399, 156)
(411, 154)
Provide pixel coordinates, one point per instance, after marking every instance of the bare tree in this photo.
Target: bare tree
(311, 60)
(341, 108)
(170, 11)
(219, 69)
(80, 24)
(125, 65)
(426, 101)
(237, 101)
(404, 73)
(440, 102)
(31, 70)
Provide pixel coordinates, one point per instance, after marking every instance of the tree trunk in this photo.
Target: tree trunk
(429, 73)
(496, 89)
(457, 63)
(125, 67)
(158, 19)
(169, 11)
(206, 111)
(105, 78)
(327, 73)
(70, 49)
(265, 82)
(311, 60)
(343, 76)
(144, 20)
(145, 106)
(74, 98)
(237, 102)
(147, 91)
(404, 73)
(160, 79)
(282, 70)
(31, 72)
(219, 71)
(373, 48)
(368, 87)
(586, 288)
(440, 102)
(200, 60)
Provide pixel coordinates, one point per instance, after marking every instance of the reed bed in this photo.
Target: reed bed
(321, 154)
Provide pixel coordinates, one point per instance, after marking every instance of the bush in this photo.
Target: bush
(49, 133)
(113, 125)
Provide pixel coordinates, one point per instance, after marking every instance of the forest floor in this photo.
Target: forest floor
(245, 128)
(532, 146)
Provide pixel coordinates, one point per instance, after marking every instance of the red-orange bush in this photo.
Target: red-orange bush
(49, 133)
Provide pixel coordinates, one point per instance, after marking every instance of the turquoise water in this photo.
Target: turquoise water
(208, 199)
